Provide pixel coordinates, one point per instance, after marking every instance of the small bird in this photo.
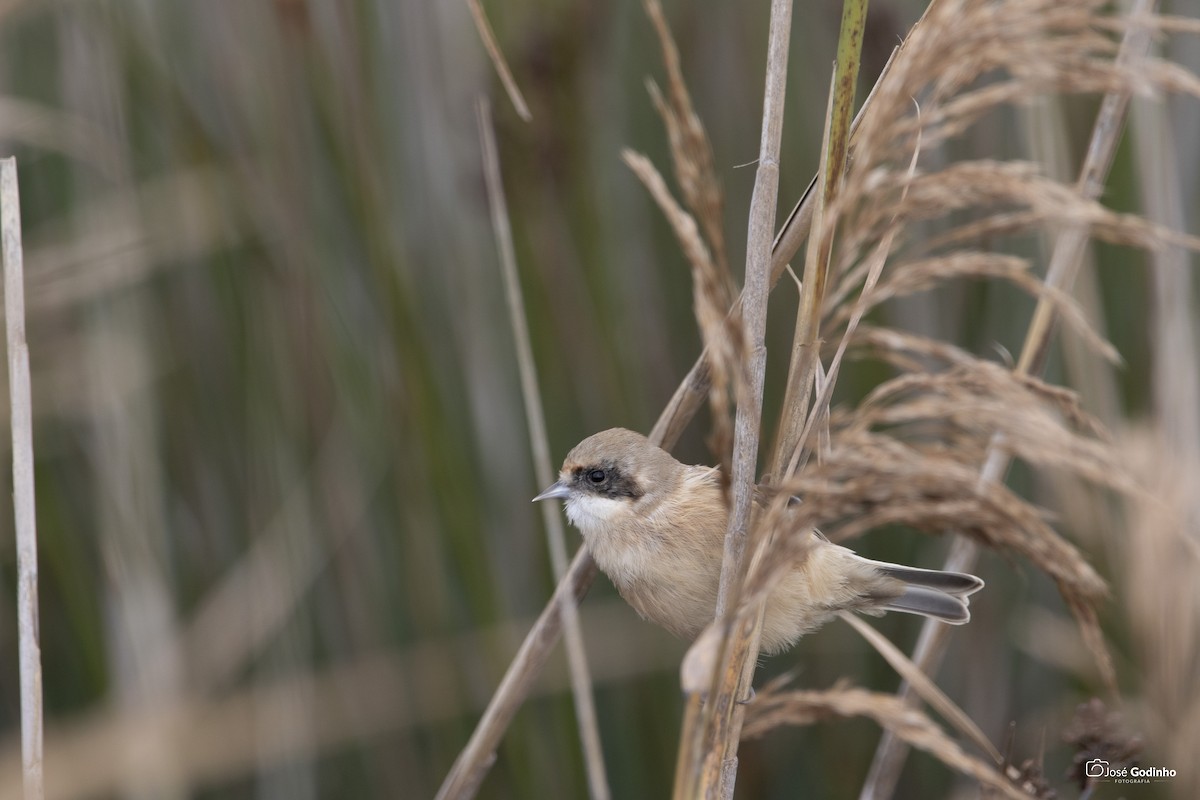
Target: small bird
(657, 529)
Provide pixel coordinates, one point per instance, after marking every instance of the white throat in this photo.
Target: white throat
(611, 533)
(590, 512)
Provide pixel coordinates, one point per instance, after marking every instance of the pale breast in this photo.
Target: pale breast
(663, 555)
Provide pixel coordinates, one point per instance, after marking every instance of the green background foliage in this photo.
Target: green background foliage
(277, 418)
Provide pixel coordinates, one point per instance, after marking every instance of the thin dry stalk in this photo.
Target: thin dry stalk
(819, 414)
(494, 53)
(581, 682)
(931, 646)
(924, 685)
(805, 354)
(20, 397)
(771, 710)
(477, 757)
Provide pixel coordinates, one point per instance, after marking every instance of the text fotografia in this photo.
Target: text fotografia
(1099, 769)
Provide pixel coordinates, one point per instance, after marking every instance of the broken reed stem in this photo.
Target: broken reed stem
(21, 403)
(1060, 275)
(712, 767)
(581, 681)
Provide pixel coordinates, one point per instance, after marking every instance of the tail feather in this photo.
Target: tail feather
(956, 583)
(932, 593)
(931, 603)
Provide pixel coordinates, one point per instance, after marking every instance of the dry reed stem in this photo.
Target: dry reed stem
(792, 234)
(24, 506)
(835, 151)
(498, 61)
(581, 682)
(772, 709)
(714, 768)
(819, 415)
(479, 754)
(805, 352)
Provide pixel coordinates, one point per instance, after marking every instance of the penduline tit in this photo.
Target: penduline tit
(657, 529)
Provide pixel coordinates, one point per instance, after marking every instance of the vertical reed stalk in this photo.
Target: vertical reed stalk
(816, 267)
(20, 396)
(581, 682)
(712, 767)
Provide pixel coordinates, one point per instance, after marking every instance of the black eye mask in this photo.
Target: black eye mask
(605, 480)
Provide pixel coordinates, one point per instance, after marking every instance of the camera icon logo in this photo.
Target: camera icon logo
(1096, 768)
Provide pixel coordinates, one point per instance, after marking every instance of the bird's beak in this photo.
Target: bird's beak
(556, 491)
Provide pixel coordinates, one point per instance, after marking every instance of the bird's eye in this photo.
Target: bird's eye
(596, 476)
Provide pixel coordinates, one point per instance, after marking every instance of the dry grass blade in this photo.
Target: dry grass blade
(581, 682)
(493, 50)
(924, 686)
(24, 507)
(769, 711)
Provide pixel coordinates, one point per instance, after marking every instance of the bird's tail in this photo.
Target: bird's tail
(931, 593)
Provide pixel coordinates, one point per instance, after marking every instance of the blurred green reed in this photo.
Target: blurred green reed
(278, 424)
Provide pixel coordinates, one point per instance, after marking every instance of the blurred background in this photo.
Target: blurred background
(283, 471)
